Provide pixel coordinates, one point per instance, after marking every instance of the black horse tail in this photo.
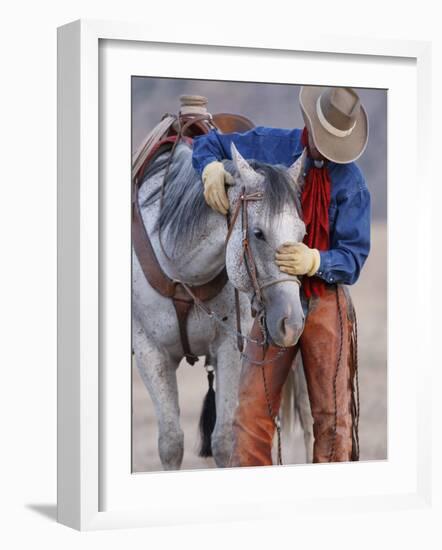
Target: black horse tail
(208, 416)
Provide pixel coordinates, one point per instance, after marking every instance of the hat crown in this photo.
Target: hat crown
(340, 107)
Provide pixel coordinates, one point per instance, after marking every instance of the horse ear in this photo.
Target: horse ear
(296, 171)
(243, 168)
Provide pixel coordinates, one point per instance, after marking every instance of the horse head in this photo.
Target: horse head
(271, 198)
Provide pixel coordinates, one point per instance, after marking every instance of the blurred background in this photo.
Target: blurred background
(277, 105)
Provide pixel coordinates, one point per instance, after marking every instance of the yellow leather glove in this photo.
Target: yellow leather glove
(215, 179)
(298, 259)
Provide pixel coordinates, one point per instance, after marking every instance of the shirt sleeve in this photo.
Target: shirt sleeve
(216, 146)
(265, 144)
(350, 244)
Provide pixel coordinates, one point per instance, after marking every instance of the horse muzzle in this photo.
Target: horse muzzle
(284, 314)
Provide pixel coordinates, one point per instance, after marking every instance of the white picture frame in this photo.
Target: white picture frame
(83, 447)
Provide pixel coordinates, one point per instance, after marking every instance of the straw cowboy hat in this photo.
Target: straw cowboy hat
(337, 121)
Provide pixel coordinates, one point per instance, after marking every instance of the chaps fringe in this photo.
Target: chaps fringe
(355, 403)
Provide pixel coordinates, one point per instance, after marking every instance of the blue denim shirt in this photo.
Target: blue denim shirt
(349, 213)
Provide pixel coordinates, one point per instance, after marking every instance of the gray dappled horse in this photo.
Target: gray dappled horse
(193, 238)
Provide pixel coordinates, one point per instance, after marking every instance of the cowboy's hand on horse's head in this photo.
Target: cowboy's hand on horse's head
(297, 259)
(215, 178)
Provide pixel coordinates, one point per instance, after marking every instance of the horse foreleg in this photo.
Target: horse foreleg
(159, 375)
(227, 371)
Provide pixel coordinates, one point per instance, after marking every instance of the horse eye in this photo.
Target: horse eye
(258, 234)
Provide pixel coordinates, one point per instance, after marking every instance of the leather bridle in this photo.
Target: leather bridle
(249, 260)
(241, 207)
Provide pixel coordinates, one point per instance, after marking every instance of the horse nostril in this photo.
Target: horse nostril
(283, 325)
(289, 329)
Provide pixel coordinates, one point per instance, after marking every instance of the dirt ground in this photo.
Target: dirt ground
(370, 299)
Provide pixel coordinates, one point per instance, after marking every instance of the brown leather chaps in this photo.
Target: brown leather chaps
(329, 385)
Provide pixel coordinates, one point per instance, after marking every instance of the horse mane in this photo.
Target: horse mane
(184, 212)
(278, 187)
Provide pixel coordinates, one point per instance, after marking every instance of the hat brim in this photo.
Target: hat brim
(337, 149)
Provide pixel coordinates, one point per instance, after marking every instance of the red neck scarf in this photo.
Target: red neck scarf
(315, 201)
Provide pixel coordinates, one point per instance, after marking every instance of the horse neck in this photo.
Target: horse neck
(195, 262)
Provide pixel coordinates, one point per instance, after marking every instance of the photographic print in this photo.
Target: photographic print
(259, 274)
